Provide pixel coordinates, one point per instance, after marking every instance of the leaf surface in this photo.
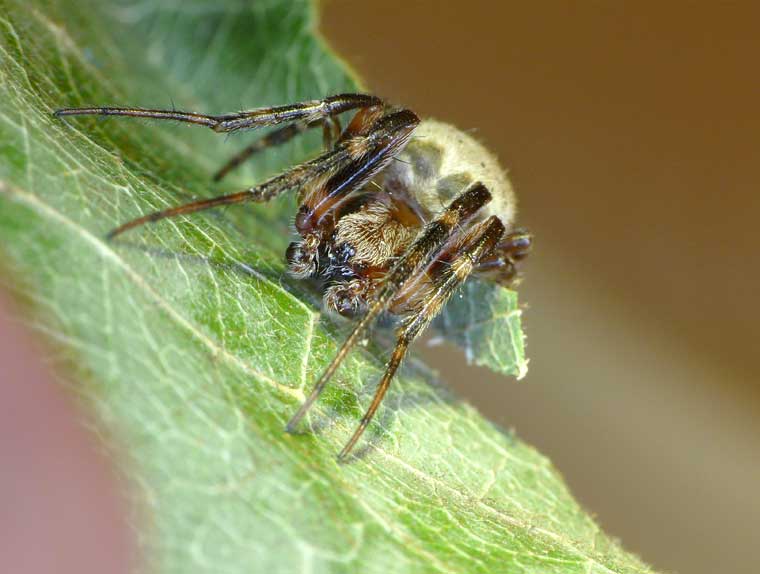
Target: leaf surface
(192, 349)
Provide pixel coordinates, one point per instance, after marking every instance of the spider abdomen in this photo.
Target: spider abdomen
(441, 160)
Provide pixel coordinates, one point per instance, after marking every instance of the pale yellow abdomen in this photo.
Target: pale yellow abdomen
(439, 162)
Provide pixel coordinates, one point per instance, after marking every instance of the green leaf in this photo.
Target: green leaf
(192, 349)
(485, 321)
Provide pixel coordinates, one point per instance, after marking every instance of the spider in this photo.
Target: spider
(388, 222)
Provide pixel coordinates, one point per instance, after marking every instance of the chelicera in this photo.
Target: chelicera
(394, 215)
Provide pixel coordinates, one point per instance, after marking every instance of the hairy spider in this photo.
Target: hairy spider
(383, 236)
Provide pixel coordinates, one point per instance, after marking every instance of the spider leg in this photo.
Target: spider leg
(331, 133)
(478, 244)
(358, 159)
(308, 111)
(421, 253)
(500, 265)
(296, 176)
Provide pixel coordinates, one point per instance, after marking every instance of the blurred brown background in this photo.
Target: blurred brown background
(631, 133)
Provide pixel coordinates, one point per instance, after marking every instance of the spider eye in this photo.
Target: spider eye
(344, 252)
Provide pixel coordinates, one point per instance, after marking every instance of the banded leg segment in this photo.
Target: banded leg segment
(480, 244)
(308, 111)
(421, 253)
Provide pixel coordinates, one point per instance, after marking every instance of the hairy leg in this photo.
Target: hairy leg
(309, 111)
(297, 176)
(480, 243)
(312, 112)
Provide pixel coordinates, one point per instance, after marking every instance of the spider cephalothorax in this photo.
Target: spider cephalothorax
(394, 215)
